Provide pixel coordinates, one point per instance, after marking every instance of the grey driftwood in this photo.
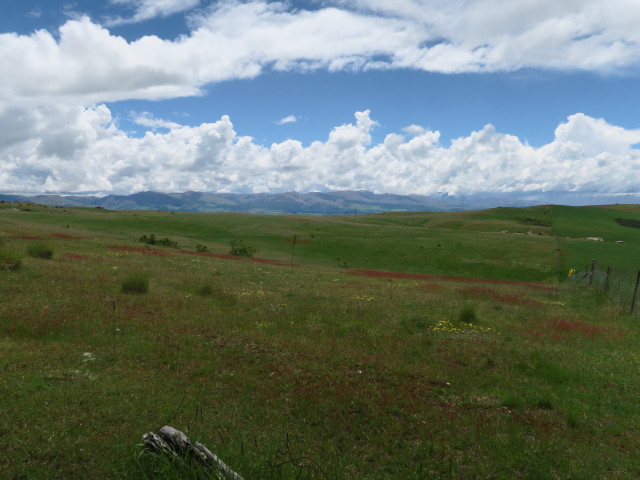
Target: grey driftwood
(173, 443)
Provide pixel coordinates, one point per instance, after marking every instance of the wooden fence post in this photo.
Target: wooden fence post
(606, 285)
(593, 267)
(635, 294)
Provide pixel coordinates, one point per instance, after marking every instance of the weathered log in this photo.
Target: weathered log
(172, 442)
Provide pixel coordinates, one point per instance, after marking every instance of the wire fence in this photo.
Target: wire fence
(620, 285)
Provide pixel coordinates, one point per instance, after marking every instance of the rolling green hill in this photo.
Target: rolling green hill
(501, 243)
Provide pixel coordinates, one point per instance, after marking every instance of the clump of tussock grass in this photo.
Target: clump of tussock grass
(545, 404)
(40, 250)
(135, 283)
(9, 261)
(467, 314)
(552, 373)
(219, 295)
(206, 290)
(513, 402)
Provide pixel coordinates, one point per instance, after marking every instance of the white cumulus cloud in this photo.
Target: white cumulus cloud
(86, 63)
(82, 149)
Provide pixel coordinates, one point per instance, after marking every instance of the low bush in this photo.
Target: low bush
(135, 283)
(152, 240)
(40, 250)
(239, 249)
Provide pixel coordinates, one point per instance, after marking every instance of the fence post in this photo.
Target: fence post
(606, 285)
(635, 293)
(593, 267)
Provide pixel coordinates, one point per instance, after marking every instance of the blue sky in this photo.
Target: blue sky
(529, 106)
(410, 96)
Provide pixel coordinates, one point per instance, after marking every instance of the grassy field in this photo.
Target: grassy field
(319, 363)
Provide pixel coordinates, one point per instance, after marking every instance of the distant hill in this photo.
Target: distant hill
(314, 203)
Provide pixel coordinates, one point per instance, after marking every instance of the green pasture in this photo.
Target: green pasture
(460, 244)
(307, 369)
(536, 244)
(573, 225)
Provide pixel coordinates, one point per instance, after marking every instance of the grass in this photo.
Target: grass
(573, 225)
(9, 261)
(311, 371)
(471, 244)
(40, 250)
(467, 315)
(135, 283)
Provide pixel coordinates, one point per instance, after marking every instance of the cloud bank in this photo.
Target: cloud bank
(87, 152)
(85, 62)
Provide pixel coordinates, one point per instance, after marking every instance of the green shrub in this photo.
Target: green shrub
(201, 248)
(165, 242)
(9, 261)
(467, 315)
(239, 249)
(40, 250)
(135, 283)
(342, 264)
(152, 240)
(148, 239)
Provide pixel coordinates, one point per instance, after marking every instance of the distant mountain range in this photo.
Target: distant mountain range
(315, 203)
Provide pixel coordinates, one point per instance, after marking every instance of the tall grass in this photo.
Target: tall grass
(137, 282)
(467, 314)
(40, 250)
(9, 261)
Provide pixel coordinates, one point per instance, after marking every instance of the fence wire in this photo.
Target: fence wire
(621, 286)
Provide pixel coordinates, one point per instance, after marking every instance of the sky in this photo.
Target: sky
(425, 97)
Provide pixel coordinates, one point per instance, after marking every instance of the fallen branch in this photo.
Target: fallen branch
(175, 444)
